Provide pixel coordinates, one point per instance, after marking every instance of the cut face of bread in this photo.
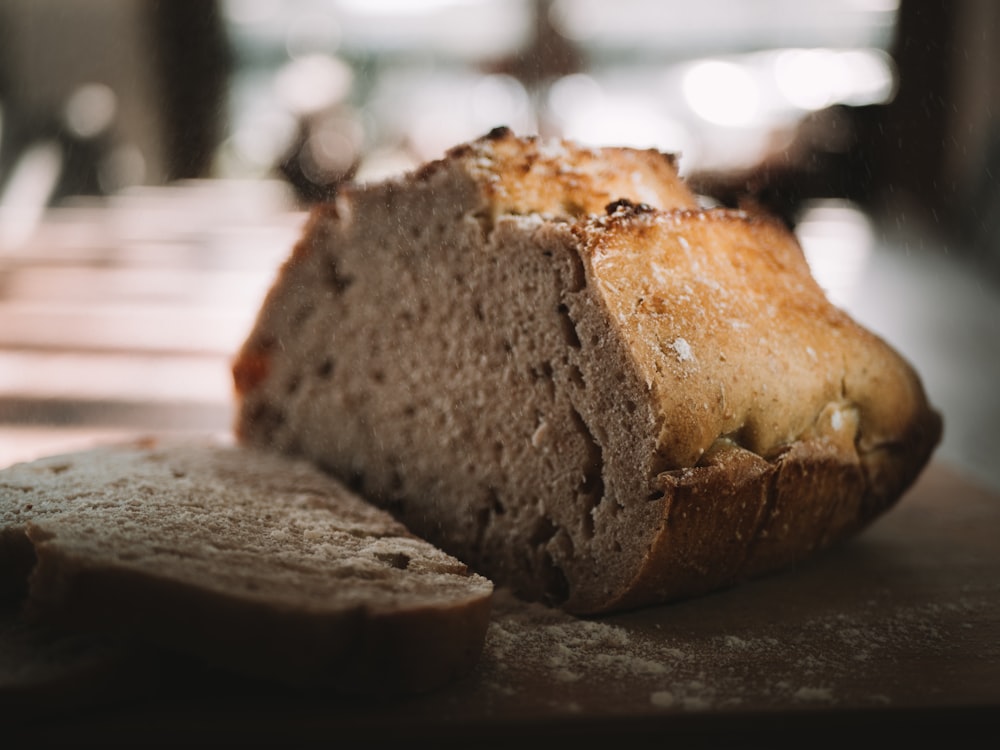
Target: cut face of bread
(253, 561)
(548, 361)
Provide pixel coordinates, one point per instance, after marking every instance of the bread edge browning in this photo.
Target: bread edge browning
(738, 516)
(364, 650)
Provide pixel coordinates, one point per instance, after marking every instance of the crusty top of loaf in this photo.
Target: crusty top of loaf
(526, 175)
(736, 339)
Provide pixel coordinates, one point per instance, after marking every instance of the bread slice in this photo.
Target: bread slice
(549, 362)
(253, 561)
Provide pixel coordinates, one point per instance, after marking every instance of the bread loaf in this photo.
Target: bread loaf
(249, 560)
(547, 360)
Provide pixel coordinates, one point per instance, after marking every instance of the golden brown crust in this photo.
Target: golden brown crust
(735, 337)
(548, 176)
(737, 516)
(784, 425)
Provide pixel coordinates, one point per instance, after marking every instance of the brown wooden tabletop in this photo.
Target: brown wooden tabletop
(897, 630)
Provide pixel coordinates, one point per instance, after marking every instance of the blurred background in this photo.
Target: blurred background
(157, 160)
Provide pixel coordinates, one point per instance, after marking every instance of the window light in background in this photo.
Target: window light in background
(723, 93)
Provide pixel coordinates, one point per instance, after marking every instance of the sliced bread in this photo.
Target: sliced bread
(249, 560)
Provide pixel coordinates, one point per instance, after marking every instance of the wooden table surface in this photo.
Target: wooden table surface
(898, 630)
